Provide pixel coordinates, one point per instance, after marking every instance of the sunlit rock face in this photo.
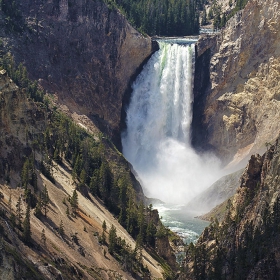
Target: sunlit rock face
(81, 50)
(237, 96)
(248, 233)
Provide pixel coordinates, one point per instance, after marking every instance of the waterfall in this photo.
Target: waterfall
(157, 139)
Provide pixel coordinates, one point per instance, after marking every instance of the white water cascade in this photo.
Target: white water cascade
(157, 139)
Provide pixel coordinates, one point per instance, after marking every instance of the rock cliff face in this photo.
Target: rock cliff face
(217, 193)
(17, 113)
(82, 50)
(166, 252)
(246, 244)
(237, 87)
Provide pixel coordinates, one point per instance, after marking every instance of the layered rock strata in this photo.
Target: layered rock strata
(236, 106)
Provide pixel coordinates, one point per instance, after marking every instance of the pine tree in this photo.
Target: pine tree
(112, 239)
(104, 181)
(223, 20)
(217, 20)
(77, 167)
(104, 225)
(19, 211)
(45, 200)
(131, 216)
(56, 156)
(93, 186)
(123, 200)
(13, 220)
(83, 177)
(103, 237)
(38, 208)
(74, 202)
(141, 221)
(25, 173)
(34, 180)
(139, 248)
(26, 226)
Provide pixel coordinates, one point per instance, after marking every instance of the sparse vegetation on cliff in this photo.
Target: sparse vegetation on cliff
(219, 15)
(96, 167)
(246, 242)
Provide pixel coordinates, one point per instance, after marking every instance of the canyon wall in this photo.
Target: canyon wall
(82, 51)
(25, 129)
(245, 245)
(236, 105)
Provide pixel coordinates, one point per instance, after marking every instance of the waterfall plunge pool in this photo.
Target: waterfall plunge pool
(177, 219)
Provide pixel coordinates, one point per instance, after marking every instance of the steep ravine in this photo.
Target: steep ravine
(245, 245)
(236, 105)
(82, 51)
